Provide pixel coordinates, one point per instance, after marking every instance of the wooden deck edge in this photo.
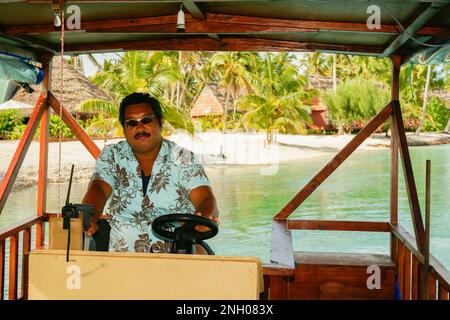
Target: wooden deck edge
(277, 270)
(342, 259)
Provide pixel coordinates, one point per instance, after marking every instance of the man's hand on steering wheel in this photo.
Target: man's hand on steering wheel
(204, 228)
(215, 219)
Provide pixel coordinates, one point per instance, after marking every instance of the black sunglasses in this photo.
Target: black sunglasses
(145, 120)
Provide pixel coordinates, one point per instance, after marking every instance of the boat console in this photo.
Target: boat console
(74, 270)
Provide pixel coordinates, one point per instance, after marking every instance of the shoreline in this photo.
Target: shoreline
(213, 148)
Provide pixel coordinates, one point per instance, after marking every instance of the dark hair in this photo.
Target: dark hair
(136, 98)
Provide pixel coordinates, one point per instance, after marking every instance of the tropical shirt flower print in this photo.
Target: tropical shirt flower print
(130, 213)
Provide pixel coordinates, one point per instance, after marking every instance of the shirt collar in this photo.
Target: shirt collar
(163, 151)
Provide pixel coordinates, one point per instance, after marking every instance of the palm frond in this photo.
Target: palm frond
(98, 105)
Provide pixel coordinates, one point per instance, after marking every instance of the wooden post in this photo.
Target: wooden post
(13, 266)
(407, 275)
(278, 288)
(395, 93)
(426, 250)
(43, 155)
(431, 288)
(408, 174)
(18, 157)
(2, 268)
(26, 246)
(442, 293)
(415, 288)
(400, 268)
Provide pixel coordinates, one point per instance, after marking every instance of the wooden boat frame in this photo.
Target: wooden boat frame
(408, 252)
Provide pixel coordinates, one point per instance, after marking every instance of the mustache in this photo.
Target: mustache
(142, 134)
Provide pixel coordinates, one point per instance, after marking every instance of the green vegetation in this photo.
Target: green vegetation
(233, 70)
(266, 91)
(262, 91)
(355, 101)
(11, 124)
(57, 126)
(137, 71)
(438, 116)
(277, 102)
(412, 85)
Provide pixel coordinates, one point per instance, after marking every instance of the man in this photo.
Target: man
(144, 177)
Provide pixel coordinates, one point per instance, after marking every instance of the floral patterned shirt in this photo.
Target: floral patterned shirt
(175, 173)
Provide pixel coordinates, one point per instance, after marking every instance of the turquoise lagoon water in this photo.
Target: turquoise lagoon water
(357, 190)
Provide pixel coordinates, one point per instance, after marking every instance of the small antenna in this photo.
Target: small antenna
(70, 185)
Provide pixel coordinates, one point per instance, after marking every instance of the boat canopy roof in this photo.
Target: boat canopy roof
(376, 28)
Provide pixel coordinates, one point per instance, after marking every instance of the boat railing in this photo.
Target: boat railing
(16, 241)
(411, 271)
(409, 262)
(11, 237)
(420, 275)
(14, 256)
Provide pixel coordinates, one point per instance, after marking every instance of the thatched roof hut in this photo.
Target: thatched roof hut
(210, 102)
(77, 88)
(319, 82)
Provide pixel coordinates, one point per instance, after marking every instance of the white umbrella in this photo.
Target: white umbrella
(19, 106)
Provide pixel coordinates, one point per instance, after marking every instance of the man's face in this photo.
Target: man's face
(142, 138)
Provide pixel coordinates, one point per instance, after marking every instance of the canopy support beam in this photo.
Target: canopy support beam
(43, 154)
(395, 94)
(410, 32)
(74, 126)
(216, 23)
(331, 166)
(21, 151)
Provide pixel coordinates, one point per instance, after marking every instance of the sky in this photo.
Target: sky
(89, 68)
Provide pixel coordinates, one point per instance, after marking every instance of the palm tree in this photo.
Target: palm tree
(270, 113)
(277, 101)
(372, 68)
(107, 123)
(233, 70)
(136, 71)
(317, 63)
(411, 83)
(334, 73)
(425, 100)
(193, 76)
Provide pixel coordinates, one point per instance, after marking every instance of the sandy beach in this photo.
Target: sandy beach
(213, 148)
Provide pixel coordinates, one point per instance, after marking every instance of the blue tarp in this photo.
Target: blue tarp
(7, 89)
(436, 55)
(19, 69)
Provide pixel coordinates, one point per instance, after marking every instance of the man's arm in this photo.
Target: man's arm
(204, 202)
(97, 194)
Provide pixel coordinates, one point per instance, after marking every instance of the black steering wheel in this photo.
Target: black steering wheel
(184, 231)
